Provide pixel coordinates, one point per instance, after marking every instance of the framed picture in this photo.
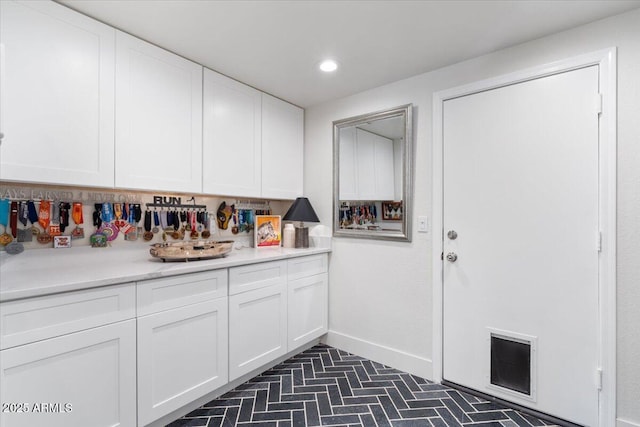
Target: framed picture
(392, 211)
(267, 231)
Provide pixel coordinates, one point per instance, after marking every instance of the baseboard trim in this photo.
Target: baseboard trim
(392, 357)
(624, 423)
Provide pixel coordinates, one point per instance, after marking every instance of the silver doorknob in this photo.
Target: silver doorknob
(452, 257)
(451, 234)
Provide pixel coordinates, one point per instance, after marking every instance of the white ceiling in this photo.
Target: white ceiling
(276, 46)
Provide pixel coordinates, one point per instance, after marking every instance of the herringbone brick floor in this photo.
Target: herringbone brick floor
(324, 386)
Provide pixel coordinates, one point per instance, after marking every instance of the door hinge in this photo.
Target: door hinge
(599, 241)
(598, 103)
(599, 378)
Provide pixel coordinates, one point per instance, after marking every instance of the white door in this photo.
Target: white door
(521, 192)
(87, 378)
(158, 118)
(257, 328)
(282, 149)
(232, 137)
(56, 95)
(182, 356)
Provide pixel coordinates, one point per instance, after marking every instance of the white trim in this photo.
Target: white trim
(398, 359)
(624, 423)
(606, 60)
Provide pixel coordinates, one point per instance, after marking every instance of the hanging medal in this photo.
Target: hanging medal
(193, 220)
(54, 222)
(156, 222)
(164, 223)
(24, 234)
(5, 237)
(33, 217)
(148, 235)
(76, 215)
(205, 221)
(64, 215)
(132, 232)
(44, 219)
(14, 247)
(234, 214)
(107, 228)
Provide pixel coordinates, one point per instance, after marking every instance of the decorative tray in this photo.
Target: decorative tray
(191, 251)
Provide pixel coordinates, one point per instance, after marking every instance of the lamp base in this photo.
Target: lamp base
(302, 237)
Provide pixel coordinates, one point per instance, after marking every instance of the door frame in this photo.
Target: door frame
(607, 163)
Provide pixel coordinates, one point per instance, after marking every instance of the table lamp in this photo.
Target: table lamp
(302, 211)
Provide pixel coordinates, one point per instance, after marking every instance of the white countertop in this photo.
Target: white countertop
(47, 271)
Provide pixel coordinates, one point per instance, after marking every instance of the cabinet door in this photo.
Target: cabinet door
(158, 118)
(348, 164)
(366, 165)
(182, 355)
(384, 168)
(56, 95)
(232, 135)
(282, 149)
(257, 328)
(375, 166)
(308, 306)
(82, 379)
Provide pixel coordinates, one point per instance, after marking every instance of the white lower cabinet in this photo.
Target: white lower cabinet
(182, 355)
(257, 328)
(85, 378)
(307, 309)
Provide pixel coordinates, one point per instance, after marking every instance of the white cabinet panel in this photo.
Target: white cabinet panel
(56, 94)
(384, 168)
(255, 276)
(306, 266)
(307, 309)
(232, 135)
(257, 328)
(158, 118)
(90, 375)
(29, 320)
(348, 164)
(171, 292)
(366, 166)
(282, 149)
(182, 355)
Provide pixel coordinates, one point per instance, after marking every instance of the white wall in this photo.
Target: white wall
(380, 292)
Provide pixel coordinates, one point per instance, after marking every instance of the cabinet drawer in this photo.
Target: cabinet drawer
(163, 294)
(256, 276)
(35, 319)
(307, 266)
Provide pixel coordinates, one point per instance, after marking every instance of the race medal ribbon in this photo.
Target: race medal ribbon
(13, 219)
(64, 215)
(148, 235)
(44, 216)
(5, 238)
(156, 222)
(123, 225)
(76, 215)
(23, 213)
(107, 212)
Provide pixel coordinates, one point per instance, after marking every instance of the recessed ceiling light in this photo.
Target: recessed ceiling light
(328, 66)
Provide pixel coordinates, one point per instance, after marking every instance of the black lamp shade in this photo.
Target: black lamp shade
(301, 210)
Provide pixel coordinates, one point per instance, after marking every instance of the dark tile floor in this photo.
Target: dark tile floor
(324, 386)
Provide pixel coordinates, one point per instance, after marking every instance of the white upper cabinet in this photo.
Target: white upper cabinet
(252, 142)
(282, 149)
(366, 166)
(56, 95)
(232, 137)
(158, 118)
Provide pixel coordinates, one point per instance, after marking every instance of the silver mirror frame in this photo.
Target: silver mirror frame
(407, 174)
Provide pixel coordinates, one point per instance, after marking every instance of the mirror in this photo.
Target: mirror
(372, 175)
